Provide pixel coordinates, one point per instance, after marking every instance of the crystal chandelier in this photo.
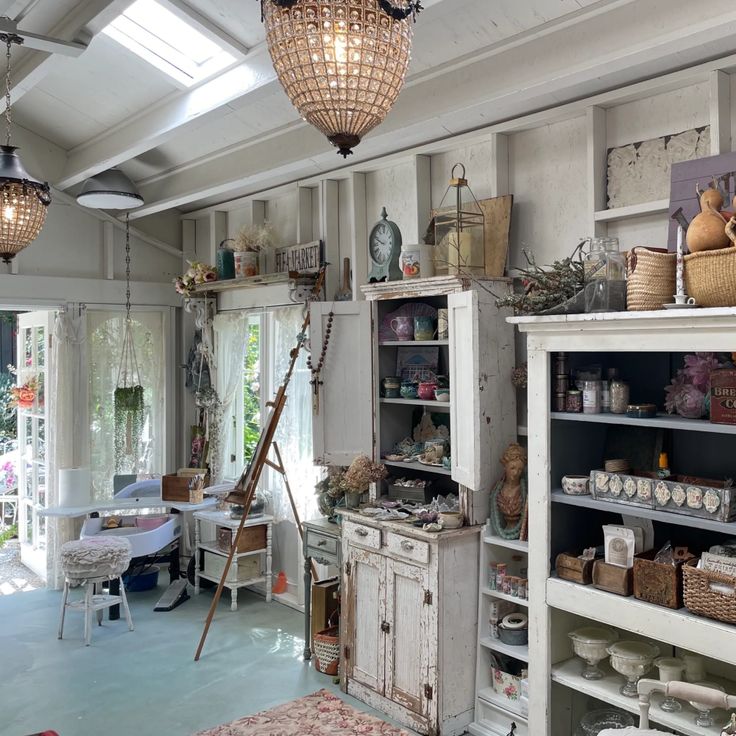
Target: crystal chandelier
(342, 63)
(23, 199)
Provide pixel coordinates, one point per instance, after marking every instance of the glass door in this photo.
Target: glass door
(34, 357)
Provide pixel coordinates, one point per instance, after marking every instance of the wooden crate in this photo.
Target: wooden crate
(570, 567)
(175, 487)
(240, 570)
(252, 538)
(657, 583)
(612, 578)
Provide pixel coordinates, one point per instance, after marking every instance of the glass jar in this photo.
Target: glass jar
(591, 397)
(619, 396)
(605, 276)
(574, 402)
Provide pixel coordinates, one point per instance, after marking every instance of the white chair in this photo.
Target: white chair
(89, 563)
(678, 690)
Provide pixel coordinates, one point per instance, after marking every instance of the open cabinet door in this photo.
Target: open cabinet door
(483, 403)
(342, 416)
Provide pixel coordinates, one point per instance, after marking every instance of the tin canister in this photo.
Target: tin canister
(723, 396)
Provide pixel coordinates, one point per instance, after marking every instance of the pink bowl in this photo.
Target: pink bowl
(150, 522)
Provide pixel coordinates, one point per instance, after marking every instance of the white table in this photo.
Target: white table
(222, 519)
(124, 504)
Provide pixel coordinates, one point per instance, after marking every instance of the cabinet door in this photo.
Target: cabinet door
(366, 596)
(410, 637)
(483, 402)
(342, 419)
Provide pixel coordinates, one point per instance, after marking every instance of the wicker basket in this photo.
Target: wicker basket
(710, 277)
(326, 647)
(650, 278)
(701, 597)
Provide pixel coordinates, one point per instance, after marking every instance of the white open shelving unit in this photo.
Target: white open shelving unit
(558, 693)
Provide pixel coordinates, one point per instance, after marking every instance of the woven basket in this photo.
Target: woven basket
(326, 646)
(650, 278)
(701, 598)
(710, 277)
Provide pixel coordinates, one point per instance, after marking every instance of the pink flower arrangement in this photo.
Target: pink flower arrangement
(197, 273)
(687, 394)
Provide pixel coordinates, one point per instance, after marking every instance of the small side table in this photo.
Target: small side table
(322, 543)
(222, 519)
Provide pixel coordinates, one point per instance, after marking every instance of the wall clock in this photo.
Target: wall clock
(384, 249)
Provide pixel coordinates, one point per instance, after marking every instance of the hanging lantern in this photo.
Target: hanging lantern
(342, 63)
(459, 230)
(24, 200)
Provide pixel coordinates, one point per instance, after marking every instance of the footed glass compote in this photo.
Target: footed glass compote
(704, 718)
(591, 645)
(670, 670)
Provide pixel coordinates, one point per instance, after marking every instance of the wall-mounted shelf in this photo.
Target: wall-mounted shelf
(665, 517)
(657, 207)
(435, 405)
(664, 421)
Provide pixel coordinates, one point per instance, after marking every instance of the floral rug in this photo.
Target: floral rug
(318, 714)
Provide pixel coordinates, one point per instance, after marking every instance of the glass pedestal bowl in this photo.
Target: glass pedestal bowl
(591, 644)
(704, 718)
(595, 721)
(632, 659)
(670, 670)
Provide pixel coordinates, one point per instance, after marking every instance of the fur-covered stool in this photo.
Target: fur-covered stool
(89, 563)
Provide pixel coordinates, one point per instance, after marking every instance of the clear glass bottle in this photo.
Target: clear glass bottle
(619, 396)
(605, 276)
(591, 397)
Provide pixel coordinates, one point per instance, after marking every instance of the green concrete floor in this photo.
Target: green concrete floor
(145, 682)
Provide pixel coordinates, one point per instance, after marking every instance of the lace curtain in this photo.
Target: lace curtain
(68, 445)
(230, 335)
(294, 433)
(104, 339)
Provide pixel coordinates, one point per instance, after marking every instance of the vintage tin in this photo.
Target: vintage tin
(723, 396)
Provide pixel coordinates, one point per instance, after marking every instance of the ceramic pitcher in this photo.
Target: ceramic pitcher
(403, 327)
(424, 328)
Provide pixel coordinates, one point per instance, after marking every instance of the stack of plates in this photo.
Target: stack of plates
(618, 465)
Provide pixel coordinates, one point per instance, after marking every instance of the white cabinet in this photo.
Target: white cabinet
(409, 622)
(353, 418)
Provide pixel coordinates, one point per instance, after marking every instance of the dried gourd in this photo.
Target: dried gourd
(707, 230)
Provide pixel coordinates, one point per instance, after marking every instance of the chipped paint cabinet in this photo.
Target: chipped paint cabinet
(409, 622)
(351, 416)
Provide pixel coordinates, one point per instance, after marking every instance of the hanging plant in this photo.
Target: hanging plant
(130, 416)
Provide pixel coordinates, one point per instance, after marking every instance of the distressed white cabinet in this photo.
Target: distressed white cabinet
(353, 418)
(409, 622)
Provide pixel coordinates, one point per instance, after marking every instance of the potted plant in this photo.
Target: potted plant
(358, 477)
(250, 243)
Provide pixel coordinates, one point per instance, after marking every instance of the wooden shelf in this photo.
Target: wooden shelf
(664, 421)
(490, 696)
(415, 465)
(567, 673)
(515, 544)
(251, 282)
(679, 628)
(665, 517)
(238, 584)
(437, 405)
(409, 343)
(215, 550)
(657, 207)
(505, 597)
(496, 645)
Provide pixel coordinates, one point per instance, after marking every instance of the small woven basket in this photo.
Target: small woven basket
(710, 277)
(650, 278)
(326, 646)
(709, 593)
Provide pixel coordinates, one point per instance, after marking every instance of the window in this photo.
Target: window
(168, 42)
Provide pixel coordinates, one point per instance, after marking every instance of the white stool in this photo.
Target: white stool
(89, 563)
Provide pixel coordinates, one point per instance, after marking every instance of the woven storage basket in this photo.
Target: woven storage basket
(650, 278)
(326, 646)
(700, 596)
(710, 277)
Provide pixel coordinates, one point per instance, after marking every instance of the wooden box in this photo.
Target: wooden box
(175, 487)
(252, 538)
(657, 583)
(634, 489)
(570, 567)
(246, 568)
(723, 396)
(612, 578)
(324, 603)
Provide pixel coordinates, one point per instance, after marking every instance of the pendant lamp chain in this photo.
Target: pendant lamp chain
(127, 267)
(8, 113)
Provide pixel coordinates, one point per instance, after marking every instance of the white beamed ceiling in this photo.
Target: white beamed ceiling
(475, 62)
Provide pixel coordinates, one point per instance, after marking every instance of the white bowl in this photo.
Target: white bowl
(591, 645)
(451, 519)
(632, 659)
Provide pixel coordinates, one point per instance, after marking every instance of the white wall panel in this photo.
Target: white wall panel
(395, 189)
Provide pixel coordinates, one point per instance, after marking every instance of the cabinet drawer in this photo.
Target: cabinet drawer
(497, 721)
(411, 549)
(321, 543)
(363, 536)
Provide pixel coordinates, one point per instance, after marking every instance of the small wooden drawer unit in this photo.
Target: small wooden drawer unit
(320, 545)
(411, 549)
(362, 536)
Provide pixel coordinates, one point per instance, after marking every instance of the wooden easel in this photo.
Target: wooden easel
(245, 489)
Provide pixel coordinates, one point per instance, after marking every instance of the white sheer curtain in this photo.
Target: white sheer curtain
(69, 438)
(294, 433)
(105, 335)
(231, 330)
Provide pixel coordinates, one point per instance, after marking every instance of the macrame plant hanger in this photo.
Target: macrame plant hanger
(129, 407)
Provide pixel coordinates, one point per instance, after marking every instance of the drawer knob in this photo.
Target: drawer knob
(361, 532)
(408, 546)
(322, 543)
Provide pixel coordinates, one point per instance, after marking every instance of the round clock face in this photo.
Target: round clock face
(381, 243)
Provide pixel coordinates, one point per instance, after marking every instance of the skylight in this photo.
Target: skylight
(168, 42)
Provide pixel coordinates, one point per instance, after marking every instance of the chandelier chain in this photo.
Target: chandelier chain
(8, 114)
(127, 267)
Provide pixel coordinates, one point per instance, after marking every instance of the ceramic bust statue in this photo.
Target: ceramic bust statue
(508, 499)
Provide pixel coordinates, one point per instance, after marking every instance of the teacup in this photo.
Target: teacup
(403, 327)
(576, 485)
(424, 328)
(426, 390)
(442, 394)
(408, 390)
(684, 299)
